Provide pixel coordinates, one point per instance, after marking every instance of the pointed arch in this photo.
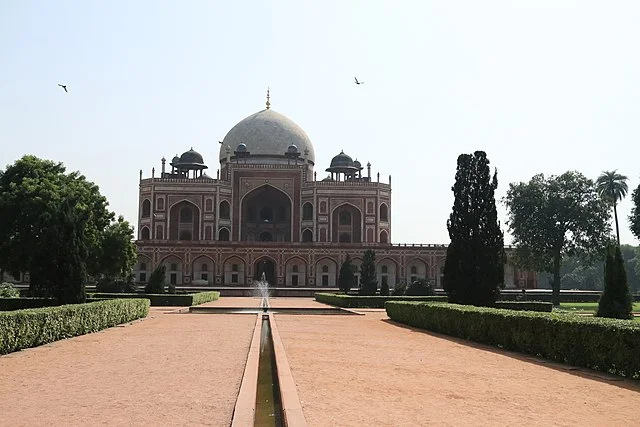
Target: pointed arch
(295, 271)
(224, 234)
(146, 208)
(384, 236)
(203, 268)
(145, 234)
(326, 277)
(307, 235)
(184, 220)
(384, 212)
(346, 223)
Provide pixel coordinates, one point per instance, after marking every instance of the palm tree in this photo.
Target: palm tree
(612, 187)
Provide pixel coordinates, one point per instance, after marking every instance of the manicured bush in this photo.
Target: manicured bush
(525, 305)
(8, 291)
(420, 287)
(350, 301)
(10, 304)
(616, 301)
(171, 300)
(608, 345)
(33, 327)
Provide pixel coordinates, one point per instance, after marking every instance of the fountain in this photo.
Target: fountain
(263, 289)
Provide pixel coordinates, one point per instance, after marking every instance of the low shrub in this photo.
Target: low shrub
(608, 345)
(33, 327)
(399, 290)
(115, 286)
(358, 301)
(171, 300)
(8, 291)
(420, 287)
(525, 305)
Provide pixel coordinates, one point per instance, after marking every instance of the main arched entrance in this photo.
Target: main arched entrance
(268, 267)
(266, 216)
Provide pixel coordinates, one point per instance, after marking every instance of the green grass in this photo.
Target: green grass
(588, 307)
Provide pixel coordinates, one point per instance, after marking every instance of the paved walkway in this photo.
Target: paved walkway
(367, 371)
(237, 302)
(166, 370)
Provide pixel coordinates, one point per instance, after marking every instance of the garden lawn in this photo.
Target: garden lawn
(589, 307)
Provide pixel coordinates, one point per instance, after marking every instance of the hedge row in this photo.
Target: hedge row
(173, 300)
(354, 301)
(525, 305)
(9, 304)
(607, 345)
(33, 327)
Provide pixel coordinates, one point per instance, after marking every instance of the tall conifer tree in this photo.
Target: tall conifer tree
(474, 268)
(368, 277)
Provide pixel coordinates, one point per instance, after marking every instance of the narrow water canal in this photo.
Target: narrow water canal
(268, 404)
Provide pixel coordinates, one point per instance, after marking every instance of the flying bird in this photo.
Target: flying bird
(63, 87)
(357, 82)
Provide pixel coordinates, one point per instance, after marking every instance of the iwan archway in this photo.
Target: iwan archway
(268, 267)
(266, 216)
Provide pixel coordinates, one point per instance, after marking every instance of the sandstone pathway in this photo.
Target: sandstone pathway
(367, 371)
(166, 370)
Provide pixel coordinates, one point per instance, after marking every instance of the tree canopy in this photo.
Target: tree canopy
(634, 218)
(347, 277)
(57, 227)
(474, 267)
(556, 216)
(612, 187)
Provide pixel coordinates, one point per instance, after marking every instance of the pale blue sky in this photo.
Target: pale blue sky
(541, 86)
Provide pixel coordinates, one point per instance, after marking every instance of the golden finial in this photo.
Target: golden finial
(268, 103)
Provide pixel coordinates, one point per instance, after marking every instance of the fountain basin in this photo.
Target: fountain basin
(276, 310)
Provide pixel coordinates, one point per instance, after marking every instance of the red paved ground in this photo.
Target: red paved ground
(169, 369)
(365, 371)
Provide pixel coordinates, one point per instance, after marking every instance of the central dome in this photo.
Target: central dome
(267, 133)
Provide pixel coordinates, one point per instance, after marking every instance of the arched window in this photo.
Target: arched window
(144, 233)
(185, 235)
(207, 233)
(414, 269)
(186, 215)
(159, 232)
(370, 207)
(384, 212)
(325, 268)
(208, 205)
(146, 208)
(307, 211)
(323, 234)
(160, 203)
(383, 237)
(225, 210)
(369, 235)
(323, 207)
(223, 235)
(345, 218)
(307, 236)
(345, 238)
(205, 267)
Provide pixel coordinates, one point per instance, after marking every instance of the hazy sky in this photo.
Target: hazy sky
(541, 86)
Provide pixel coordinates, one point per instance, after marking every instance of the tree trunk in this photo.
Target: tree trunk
(615, 215)
(555, 295)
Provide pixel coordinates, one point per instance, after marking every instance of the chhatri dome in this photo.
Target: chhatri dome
(267, 134)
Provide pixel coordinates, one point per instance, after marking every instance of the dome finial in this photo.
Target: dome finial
(268, 97)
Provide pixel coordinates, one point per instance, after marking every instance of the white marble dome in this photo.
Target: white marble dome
(267, 133)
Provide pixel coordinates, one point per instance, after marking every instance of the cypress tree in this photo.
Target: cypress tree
(616, 301)
(156, 281)
(474, 268)
(368, 279)
(346, 278)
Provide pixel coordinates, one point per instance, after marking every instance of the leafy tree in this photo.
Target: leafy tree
(156, 282)
(368, 276)
(634, 218)
(8, 291)
(117, 253)
(553, 217)
(52, 226)
(474, 268)
(346, 278)
(384, 289)
(616, 300)
(612, 187)
(420, 287)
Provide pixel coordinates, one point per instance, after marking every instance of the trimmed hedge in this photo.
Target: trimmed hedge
(608, 345)
(352, 301)
(33, 327)
(171, 300)
(525, 305)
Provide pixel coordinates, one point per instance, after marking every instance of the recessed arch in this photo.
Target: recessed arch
(417, 268)
(384, 212)
(346, 223)
(329, 277)
(146, 208)
(184, 221)
(295, 271)
(224, 234)
(234, 271)
(384, 236)
(203, 268)
(307, 211)
(266, 212)
(387, 270)
(224, 210)
(307, 235)
(145, 234)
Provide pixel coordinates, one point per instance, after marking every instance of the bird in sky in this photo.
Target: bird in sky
(63, 87)
(358, 82)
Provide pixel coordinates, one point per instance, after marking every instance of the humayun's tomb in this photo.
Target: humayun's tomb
(266, 211)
